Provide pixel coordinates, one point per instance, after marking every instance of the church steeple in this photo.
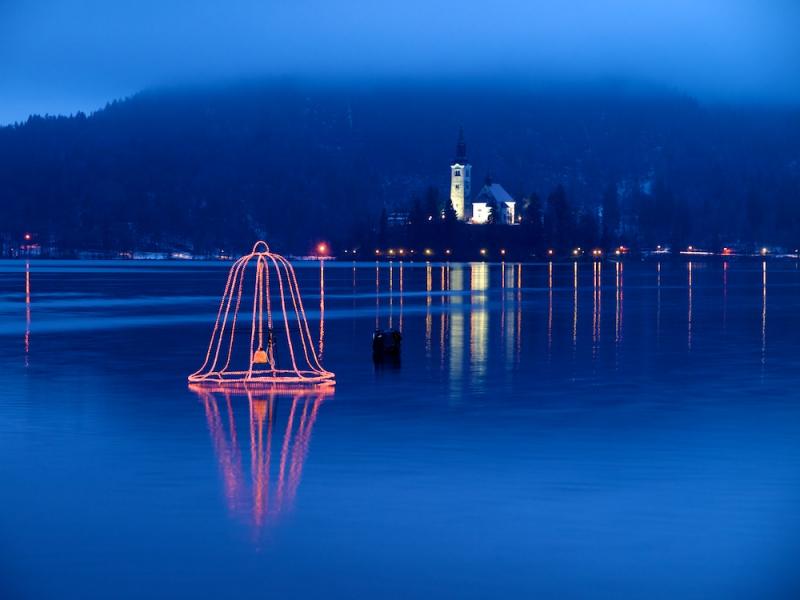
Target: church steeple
(461, 148)
(460, 178)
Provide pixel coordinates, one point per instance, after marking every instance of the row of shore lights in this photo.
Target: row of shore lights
(576, 252)
(597, 252)
(426, 252)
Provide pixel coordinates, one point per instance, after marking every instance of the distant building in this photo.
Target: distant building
(397, 219)
(493, 194)
(460, 179)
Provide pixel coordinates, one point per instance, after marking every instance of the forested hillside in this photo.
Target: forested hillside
(209, 169)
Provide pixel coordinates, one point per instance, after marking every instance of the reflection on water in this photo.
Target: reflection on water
(510, 276)
(277, 441)
(503, 302)
(597, 313)
(444, 285)
(574, 306)
(27, 312)
(400, 324)
(518, 313)
(658, 303)
(391, 295)
(763, 316)
(549, 311)
(456, 315)
(322, 308)
(377, 295)
(725, 295)
(478, 320)
(689, 319)
(428, 316)
(619, 292)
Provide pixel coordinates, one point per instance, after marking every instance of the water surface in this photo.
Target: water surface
(558, 430)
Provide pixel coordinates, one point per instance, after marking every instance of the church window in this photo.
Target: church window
(458, 173)
(457, 186)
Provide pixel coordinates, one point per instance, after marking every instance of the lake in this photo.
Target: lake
(558, 430)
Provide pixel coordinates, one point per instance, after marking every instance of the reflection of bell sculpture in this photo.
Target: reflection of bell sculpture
(265, 486)
(231, 359)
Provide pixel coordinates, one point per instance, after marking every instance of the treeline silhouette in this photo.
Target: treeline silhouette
(208, 170)
(556, 227)
(542, 229)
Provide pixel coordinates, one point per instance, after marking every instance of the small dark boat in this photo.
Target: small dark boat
(386, 343)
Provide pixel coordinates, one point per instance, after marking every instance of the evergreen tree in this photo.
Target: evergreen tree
(414, 229)
(532, 221)
(657, 217)
(681, 225)
(611, 215)
(494, 213)
(559, 223)
(450, 213)
(587, 230)
(417, 213)
(431, 206)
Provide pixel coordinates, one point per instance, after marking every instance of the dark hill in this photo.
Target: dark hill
(215, 168)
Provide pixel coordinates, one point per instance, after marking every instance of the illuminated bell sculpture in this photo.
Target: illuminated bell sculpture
(266, 344)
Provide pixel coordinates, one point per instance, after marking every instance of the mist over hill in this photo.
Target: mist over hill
(215, 168)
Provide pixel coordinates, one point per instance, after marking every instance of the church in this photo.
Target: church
(477, 211)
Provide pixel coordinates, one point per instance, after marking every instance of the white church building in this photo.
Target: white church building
(477, 211)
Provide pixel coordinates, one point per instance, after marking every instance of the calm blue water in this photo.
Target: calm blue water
(590, 431)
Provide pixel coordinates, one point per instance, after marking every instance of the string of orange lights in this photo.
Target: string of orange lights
(223, 363)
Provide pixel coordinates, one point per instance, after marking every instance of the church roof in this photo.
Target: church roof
(493, 191)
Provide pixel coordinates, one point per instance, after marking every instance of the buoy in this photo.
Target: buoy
(261, 304)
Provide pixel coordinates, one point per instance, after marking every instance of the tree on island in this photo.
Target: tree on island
(431, 204)
(611, 215)
(532, 220)
(558, 221)
(680, 233)
(587, 230)
(450, 215)
(493, 218)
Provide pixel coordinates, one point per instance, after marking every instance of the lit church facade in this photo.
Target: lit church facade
(492, 194)
(460, 179)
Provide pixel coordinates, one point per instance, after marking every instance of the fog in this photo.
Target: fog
(62, 56)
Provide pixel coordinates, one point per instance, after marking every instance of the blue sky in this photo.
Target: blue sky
(59, 56)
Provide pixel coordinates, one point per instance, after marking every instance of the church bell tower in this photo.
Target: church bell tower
(460, 178)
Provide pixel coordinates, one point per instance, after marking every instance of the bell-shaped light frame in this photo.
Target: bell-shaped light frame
(275, 348)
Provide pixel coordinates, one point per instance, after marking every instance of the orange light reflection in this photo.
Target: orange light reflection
(272, 487)
(27, 312)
